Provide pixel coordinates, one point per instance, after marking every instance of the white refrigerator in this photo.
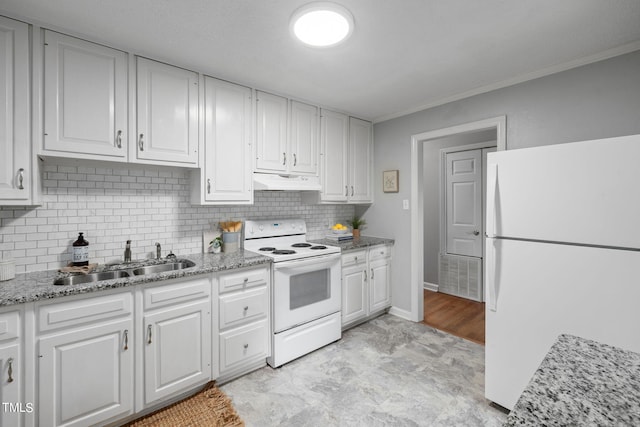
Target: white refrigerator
(562, 254)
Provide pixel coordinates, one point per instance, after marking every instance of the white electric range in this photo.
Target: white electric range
(306, 289)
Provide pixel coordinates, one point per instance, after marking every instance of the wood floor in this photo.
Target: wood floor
(458, 316)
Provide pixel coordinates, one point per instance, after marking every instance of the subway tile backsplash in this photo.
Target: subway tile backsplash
(146, 204)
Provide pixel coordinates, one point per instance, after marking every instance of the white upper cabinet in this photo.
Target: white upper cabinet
(167, 115)
(334, 156)
(303, 139)
(287, 136)
(346, 164)
(85, 99)
(226, 171)
(271, 133)
(360, 161)
(15, 136)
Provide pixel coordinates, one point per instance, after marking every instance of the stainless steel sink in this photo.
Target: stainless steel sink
(159, 268)
(93, 277)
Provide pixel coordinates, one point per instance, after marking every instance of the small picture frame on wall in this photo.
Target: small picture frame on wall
(390, 181)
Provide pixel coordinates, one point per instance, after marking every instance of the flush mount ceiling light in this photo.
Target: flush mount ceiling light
(321, 24)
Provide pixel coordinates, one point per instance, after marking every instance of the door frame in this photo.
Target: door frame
(417, 201)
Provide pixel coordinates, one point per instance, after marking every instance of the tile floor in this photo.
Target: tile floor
(387, 372)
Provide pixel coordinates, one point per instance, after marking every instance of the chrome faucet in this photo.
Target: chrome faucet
(127, 252)
(158, 250)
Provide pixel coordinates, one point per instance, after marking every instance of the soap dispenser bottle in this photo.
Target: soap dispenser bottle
(80, 252)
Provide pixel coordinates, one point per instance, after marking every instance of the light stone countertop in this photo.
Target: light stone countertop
(581, 383)
(350, 245)
(36, 286)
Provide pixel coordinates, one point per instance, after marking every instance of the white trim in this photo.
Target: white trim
(431, 286)
(417, 203)
(601, 56)
(403, 314)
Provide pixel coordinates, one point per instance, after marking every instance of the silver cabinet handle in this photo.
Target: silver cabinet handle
(141, 142)
(295, 159)
(126, 339)
(372, 274)
(352, 191)
(208, 186)
(119, 139)
(476, 232)
(246, 280)
(356, 259)
(149, 334)
(10, 371)
(365, 275)
(346, 190)
(284, 159)
(246, 346)
(21, 179)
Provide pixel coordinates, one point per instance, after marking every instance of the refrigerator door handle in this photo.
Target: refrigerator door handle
(492, 286)
(492, 185)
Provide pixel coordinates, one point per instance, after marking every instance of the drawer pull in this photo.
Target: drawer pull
(246, 280)
(10, 361)
(149, 334)
(246, 308)
(372, 274)
(356, 258)
(126, 339)
(246, 346)
(365, 275)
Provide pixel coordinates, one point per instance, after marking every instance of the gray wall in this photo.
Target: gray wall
(431, 193)
(598, 100)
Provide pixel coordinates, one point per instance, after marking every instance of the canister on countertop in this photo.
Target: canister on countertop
(80, 252)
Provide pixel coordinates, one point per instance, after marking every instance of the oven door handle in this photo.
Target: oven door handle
(315, 262)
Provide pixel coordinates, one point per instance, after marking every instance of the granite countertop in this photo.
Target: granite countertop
(581, 382)
(350, 245)
(39, 285)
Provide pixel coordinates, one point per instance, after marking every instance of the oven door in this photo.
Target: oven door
(305, 290)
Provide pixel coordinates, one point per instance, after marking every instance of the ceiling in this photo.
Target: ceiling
(403, 55)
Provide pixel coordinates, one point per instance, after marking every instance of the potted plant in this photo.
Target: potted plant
(216, 245)
(356, 223)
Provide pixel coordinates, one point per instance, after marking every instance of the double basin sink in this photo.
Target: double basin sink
(124, 272)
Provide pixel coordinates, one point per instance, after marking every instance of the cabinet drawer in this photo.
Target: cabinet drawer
(241, 307)
(175, 293)
(81, 311)
(9, 325)
(243, 279)
(379, 252)
(354, 257)
(242, 344)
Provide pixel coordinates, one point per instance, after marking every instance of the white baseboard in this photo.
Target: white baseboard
(403, 314)
(431, 286)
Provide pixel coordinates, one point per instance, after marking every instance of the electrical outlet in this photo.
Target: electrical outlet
(405, 204)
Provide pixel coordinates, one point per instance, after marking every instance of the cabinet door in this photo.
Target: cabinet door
(177, 349)
(271, 133)
(11, 387)
(15, 141)
(379, 285)
(167, 113)
(303, 138)
(360, 161)
(334, 156)
(354, 293)
(85, 98)
(227, 146)
(86, 375)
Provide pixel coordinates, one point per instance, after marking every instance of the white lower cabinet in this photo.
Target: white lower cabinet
(86, 364)
(365, 284)
(11, 370)
(176, 338)
(243, 321)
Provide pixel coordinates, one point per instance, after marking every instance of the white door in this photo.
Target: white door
(85, 97)
(177, 348)
(303, 138)
(334, 156)
(86, 375)
(167, 127)
(227, 142)
(271, 133)
(15, 142)
(464, 203)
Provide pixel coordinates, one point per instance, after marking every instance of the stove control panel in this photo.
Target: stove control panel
(274, 228)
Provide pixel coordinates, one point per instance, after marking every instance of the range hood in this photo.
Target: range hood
(267, 181)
